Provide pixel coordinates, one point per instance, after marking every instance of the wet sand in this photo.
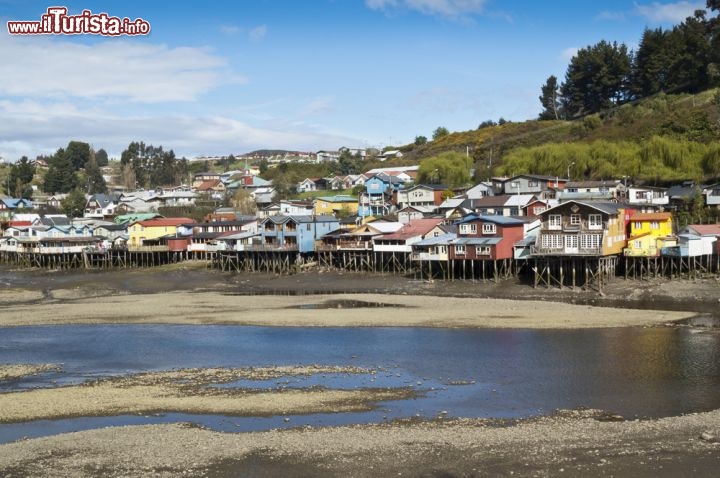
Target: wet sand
(570, 444)
(588, 443)
(191, 391)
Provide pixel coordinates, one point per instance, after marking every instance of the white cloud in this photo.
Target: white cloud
(34, 127)
(230, 30)
(126, 70)
(668, 12)
(258, 33)
(446, 8)
(319, 106)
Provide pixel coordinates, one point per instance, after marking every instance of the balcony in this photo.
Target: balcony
(428, 256)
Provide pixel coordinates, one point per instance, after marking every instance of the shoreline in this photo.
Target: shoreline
(195, 295)
(570, 443)
(336, 310)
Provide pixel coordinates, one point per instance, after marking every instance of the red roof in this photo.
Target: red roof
(19, 223)
(207, 185)
(651, 216)
(166, 221)
(414, 228)
(706, 229)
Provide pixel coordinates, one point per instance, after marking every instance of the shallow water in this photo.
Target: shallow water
(634, 372)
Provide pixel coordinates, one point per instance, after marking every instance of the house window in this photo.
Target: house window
(638, 225)
(482, 250)
(654, 225)
(489, 228)
(590, 241)
(307, 226)
(551, 241)
(595, 221)
(537, 210)
(468, 228)
(574, 219)
(460, 250)
(555, 222)
(637, 244)
(533, 184)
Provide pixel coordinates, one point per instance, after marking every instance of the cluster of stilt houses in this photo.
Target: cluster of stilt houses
(546, 231)
(571, 244)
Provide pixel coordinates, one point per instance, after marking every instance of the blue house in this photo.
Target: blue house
(9, 206)
(295, 233)
(376, 200)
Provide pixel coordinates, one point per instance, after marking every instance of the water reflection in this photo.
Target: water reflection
(634, 372)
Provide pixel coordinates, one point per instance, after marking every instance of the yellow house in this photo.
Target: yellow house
(649, 233)
(338, 205)
(150, 229)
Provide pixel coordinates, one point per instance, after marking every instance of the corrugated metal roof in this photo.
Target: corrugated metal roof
(705, 229)
(441, 239)
(501, 220)
(477, 241)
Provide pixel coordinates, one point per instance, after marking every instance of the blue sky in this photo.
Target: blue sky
(218, 78)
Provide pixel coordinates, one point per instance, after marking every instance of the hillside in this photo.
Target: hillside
(689, 122)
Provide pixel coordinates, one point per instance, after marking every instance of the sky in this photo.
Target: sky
(219, 78)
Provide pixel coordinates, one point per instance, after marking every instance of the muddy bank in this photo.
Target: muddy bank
(36, 286)
(567, 444)
(338, 310)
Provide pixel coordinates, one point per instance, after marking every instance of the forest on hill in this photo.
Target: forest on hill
(652, 115)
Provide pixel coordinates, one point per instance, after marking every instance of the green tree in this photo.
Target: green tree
(651, 64)
(78, 153)
(711, 162)
(60, 176)
(449, 168)
(95, 181)
(21, 176)
(420, 140)
(550, 99)
(440, 132)
(689, 63)
(596, 79)
(101, 158)
(74, 203)
(347, 163)
(244, 203)
(713, 32)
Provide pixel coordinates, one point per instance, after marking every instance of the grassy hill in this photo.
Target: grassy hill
(690, 122)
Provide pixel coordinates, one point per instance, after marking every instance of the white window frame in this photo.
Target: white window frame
(574, 219)
(489, 228)
(595, 221)
(459, 249)
(551, 241)
(555, 222)
(468, 228)
(482, 250)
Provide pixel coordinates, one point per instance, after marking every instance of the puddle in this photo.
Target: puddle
(347, 304)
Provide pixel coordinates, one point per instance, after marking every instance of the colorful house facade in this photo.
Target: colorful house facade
(153, 229)
(583, 229)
